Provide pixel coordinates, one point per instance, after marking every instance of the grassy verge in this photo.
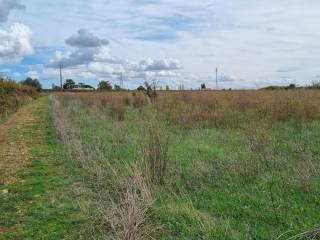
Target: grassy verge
(40, 205)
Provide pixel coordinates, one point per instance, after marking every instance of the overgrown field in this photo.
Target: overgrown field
(194, 165)
(13, 95)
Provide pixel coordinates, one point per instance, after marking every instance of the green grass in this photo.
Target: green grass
(40, 205)
(252, 182)
(216, 186)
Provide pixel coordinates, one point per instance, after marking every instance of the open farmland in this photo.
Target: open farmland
(189, 165)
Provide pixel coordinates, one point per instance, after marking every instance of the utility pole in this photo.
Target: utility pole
(217, 78)
(121, 80)
(60, 67)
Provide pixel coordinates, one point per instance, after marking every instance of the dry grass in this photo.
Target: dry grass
(155, 151)
(230, 109)
(124, 193)
(119, 201)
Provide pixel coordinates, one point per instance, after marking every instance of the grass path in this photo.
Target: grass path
(14, 146)
(35, 198)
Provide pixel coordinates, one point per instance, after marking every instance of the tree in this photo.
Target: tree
(32, 83)
(104, 86)
(167, 88)
(69, 84)
(203, 86)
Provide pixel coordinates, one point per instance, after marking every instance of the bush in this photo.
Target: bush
(13, 95)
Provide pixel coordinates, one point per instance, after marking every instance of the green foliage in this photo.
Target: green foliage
(104, 86)
(32, 82)
(69, 84)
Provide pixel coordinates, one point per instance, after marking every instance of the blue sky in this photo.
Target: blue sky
(253, 43)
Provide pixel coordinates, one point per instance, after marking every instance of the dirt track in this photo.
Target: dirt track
(14, 151)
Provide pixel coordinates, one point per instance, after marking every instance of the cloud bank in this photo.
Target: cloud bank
(85, 39)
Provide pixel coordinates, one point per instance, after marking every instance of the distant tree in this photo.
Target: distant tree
(141, 88)
(203, 86)
(104, 86)
(167, 88)
(117, 87)
(32, 82)
(69, 84)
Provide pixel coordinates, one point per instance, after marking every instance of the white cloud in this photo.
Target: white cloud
(160, 65)
(85, 39)
(33, 74)
(15, 43)
(100, 68)
(6, 6)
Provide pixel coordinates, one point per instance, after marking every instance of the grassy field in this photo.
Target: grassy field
(195, 165)
(187, 165)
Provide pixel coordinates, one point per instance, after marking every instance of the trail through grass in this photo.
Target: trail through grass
(39, 205)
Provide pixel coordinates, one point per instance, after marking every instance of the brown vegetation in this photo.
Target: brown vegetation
(231, 109)
(14, 95)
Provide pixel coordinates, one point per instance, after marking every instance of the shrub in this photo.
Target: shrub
(13, 95)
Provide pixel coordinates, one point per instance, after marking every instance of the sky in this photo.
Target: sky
(253, 43)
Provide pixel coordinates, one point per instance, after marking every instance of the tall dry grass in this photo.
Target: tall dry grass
(230, 109)
(155, 151)
(119, 199)
(220, 109)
